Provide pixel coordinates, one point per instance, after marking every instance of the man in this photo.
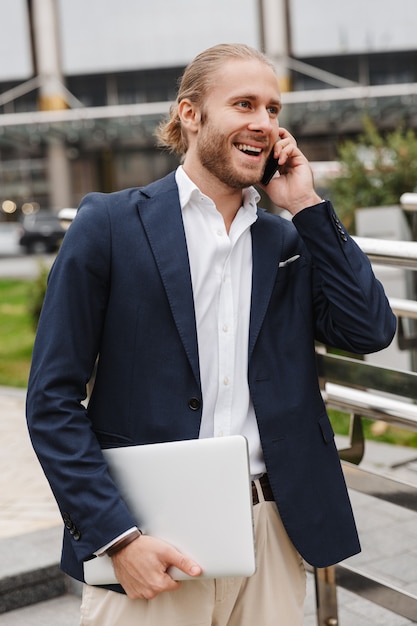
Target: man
(204, 311)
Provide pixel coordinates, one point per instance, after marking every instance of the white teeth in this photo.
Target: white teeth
(245, 148)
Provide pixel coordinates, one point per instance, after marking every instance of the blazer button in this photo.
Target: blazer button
(67, 520)
(194, 404)
(75, 533)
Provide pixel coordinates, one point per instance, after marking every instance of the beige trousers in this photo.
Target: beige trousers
(273, 596)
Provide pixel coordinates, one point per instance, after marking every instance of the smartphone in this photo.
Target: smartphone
(270, 168)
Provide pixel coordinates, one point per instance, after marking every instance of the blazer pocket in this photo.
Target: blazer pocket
(326, 429)
(288, 268)
(112, 440)
(292, 259)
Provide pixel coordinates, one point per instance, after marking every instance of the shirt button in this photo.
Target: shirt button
(220, 232)
(225, 328)
(226, 381)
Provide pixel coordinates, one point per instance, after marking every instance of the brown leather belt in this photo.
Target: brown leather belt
(266, 490)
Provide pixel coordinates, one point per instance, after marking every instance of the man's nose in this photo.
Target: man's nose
(262, 121)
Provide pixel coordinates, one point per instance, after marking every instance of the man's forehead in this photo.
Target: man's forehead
(248, 77)
(239, 65)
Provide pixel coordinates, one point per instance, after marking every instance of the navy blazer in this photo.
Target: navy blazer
(121, 288)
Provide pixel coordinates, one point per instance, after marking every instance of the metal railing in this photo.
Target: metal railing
(362, 389)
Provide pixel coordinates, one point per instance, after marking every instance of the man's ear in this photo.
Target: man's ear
(190, 115)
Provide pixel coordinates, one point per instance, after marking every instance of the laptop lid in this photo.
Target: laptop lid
(194, 494)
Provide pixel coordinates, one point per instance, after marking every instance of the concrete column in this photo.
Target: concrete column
(60, 186)
(275, 38)
(47, 55)
(52, 95)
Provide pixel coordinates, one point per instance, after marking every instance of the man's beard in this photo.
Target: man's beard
(214, 153)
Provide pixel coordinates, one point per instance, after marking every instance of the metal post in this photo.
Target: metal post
(52, 95)
(408, 203)
(326, 596)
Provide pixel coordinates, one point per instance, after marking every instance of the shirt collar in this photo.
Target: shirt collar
(188, 190)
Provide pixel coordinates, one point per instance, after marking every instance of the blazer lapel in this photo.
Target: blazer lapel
(160, 212)
(266, 247)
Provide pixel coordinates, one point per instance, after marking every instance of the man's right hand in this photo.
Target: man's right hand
(141, 567)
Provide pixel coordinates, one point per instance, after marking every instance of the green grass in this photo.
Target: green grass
(16, 332)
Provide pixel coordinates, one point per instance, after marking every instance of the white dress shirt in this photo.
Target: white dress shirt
(221, 274)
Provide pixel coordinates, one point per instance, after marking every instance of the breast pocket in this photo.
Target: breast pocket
(290, 267)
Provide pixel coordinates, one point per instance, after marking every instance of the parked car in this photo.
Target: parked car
(66, 217)
(41, 232)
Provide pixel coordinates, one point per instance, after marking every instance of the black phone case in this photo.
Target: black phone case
(270, 169)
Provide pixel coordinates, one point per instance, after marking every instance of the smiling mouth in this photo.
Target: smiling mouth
(250, 150)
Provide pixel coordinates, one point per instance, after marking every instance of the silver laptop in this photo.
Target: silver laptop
(194, 494)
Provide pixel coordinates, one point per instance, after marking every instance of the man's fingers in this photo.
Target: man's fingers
(285, 135)
(285, 147)
(142, 567)
(186, 565)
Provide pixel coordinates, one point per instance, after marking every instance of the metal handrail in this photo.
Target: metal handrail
(365, 394)
(387, 252)
(404, 308)
(366, 390)
(372, 406)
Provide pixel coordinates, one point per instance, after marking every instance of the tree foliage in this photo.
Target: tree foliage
(375, 170)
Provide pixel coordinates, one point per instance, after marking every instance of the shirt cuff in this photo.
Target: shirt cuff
(102, 550)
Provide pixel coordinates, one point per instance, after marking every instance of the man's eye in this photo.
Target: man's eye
(273, 111)
(244, 104)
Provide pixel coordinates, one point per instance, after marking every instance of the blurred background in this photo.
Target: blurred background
(83, 84)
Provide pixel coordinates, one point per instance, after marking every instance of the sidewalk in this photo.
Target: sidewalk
(26, 503)
(388, 533)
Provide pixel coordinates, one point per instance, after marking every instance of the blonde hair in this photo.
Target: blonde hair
(197, 79)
